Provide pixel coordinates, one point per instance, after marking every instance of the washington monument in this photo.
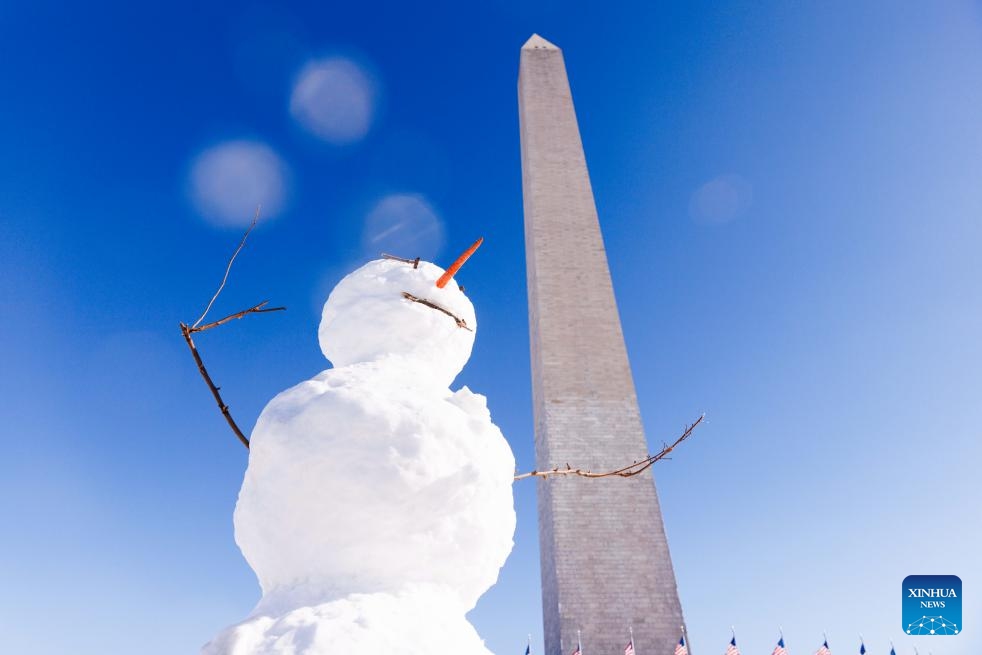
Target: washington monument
(605, 560)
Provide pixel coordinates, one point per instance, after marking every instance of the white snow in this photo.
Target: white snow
(377, 505)
(367, 319)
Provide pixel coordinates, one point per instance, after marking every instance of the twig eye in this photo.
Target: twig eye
(414, 262)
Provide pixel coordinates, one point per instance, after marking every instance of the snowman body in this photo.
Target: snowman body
(377, 506)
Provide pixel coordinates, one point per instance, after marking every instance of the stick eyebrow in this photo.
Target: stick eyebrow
(429, 303)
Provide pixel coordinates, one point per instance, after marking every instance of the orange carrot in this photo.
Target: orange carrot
(442, 282)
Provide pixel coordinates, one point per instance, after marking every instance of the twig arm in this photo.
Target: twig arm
(625, 472)
(228, 267)
(186, 331)
(255, 309)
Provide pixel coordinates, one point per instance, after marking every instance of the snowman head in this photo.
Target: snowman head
(404, 314)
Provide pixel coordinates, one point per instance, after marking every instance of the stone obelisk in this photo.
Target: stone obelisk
(605, 560)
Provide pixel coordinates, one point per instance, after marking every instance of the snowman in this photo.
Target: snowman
(377, 505)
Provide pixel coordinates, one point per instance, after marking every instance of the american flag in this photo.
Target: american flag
(680, 648)
(824, 650)
(528, 649)
(576, 651)
(862, 648)
(731, 649)
(629, 649)
(780, 649)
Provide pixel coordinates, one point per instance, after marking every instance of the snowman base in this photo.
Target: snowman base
(418, 622)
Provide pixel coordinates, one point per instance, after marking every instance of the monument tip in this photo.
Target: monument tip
(536, 42)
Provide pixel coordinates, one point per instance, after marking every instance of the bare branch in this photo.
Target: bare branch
(414, 262)
(626, 472)
(429, 303)
(228, 268)
(257, 309)
(188, 330)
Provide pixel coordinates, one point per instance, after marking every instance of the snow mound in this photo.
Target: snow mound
(414, 622)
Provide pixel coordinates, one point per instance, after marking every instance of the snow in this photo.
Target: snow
(371, 623)
(367, 319)
(377, 505)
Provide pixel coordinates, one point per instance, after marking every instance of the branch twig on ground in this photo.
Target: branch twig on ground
(625, 472)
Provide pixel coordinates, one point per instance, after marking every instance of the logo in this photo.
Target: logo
(932, 605)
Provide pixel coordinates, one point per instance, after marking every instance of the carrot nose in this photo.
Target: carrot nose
(452, 270)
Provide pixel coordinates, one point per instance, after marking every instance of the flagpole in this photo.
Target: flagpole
(529, 648)
(780, 629)
(630, 629)
(579, 642)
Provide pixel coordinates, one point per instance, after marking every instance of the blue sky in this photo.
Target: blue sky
(790, 195)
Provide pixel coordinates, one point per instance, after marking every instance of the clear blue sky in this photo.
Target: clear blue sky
(827, 320)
